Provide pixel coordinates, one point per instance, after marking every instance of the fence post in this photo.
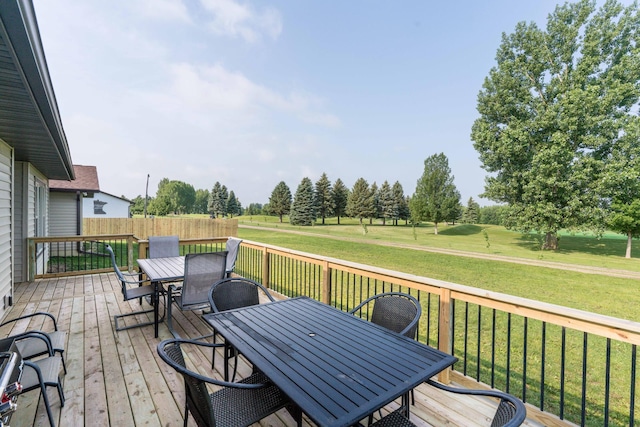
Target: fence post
(265, 267)
(130, 252)
(326, 283)
(445, 333)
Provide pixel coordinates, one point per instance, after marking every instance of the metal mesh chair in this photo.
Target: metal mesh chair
(41, 373)
(164, 246)
(132, 288)
(511, 412)
(200, 272)
(232, 247)
(235, 404)
(31, 348)
(231, 293)
(395, 311)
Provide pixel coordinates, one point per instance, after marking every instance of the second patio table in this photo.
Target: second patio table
(158, 270)
(336, 367)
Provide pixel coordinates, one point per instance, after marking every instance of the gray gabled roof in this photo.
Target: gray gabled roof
(29, 117)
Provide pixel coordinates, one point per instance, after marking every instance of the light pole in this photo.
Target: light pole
(146, 197)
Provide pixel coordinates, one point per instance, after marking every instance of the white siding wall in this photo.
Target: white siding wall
(20, 206)
(6, 224)
(62, 214)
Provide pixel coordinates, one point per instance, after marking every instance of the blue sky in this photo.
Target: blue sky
(251, 93)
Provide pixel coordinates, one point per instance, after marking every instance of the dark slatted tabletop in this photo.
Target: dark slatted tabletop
(336, 367)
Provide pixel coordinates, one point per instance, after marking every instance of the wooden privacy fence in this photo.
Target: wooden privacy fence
(142, 228)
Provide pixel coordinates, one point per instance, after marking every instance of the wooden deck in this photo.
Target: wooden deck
(117, 379)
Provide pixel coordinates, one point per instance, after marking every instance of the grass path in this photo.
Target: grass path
(626, 274)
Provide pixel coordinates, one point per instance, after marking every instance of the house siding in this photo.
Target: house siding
(6, 224)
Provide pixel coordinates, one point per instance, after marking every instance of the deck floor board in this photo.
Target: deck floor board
(117, 379)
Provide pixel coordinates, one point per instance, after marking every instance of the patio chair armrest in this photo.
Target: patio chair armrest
(185, 371)
(38, 313)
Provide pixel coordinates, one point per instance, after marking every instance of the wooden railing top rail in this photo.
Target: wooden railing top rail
(609, 327)
(84, 238)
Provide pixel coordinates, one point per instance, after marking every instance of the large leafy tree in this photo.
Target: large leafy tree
(174, 197)
(303, 210)
(324, 202)
(621, 183)
(436, 198)
(551, 110)
(280, 200)
(201, 204)
(360, 203)
(339, 198)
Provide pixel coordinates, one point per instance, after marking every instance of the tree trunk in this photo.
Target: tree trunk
(280, 218)
(550, 241)
(338, 219)
(629, 237)
(435, 228)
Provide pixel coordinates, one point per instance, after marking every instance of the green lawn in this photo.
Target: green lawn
(597, 293)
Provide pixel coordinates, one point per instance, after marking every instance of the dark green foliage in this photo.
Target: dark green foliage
(233, 206)
(324, 202)
(280, 200)
(218, 200)
(387, 203)
(492, 215)
(436, 198)
(402, 205)
(360, 203)
(471, 213)
(376, 203)
(201, 205)
(339, 198)
(254, 209)
(174, 197)
(303, 207)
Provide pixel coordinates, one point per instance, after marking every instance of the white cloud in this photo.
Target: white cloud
(240, 20)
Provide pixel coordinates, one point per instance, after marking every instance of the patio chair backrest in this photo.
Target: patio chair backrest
(116, 268)
(198, 398)
(164, 246)
(236, 292)
(396, 311)
(200, 272)
(233, 247)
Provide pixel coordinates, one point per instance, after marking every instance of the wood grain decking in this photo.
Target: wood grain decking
(117, 378)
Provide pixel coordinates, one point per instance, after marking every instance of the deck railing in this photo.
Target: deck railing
(567, 364)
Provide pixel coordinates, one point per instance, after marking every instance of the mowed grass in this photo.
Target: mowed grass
(601, 294)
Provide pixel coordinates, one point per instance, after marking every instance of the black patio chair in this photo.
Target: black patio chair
(395, 311)
(232, 247)
(201, 270)
(228, 294)
(164, 246)
(36, 347)
(235, 404)
(132, 288)
(511, 412)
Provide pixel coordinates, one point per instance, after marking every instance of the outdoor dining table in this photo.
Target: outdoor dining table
(159, 270)
(336, 367)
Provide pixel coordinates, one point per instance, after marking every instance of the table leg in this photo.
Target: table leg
(156, 301)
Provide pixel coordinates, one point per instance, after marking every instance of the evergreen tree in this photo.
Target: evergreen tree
(221, 208)
(471, 213)
(280, 200)
(232, 204)
(387, 202)
(360, 203)
(339, 197)
(214, 199)
(375, 194)
(402, 206)
(436, 198)
(303, 206)
(324, 202)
